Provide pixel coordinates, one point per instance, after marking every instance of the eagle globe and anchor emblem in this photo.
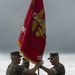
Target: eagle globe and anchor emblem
(39, 24)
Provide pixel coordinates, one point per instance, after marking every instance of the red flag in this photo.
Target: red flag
(32, 38)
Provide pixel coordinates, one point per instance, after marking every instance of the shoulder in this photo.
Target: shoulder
(10, 69)
(61, 66)
(59, 69)
(14, 67)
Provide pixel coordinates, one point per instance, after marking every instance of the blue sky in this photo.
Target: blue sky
(60, 24)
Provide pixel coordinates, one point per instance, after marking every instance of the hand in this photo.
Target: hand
(41, 66)
(39, 63)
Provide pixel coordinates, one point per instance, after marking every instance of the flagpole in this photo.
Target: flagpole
(38, 71)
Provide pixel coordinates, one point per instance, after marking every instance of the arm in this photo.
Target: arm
(49, 71)
(32, 71)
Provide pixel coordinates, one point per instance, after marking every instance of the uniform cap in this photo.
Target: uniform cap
(52, 55)
(15, 53)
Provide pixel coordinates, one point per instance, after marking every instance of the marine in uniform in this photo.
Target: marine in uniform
(26, 65)
(14, 68)
(57, 69)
